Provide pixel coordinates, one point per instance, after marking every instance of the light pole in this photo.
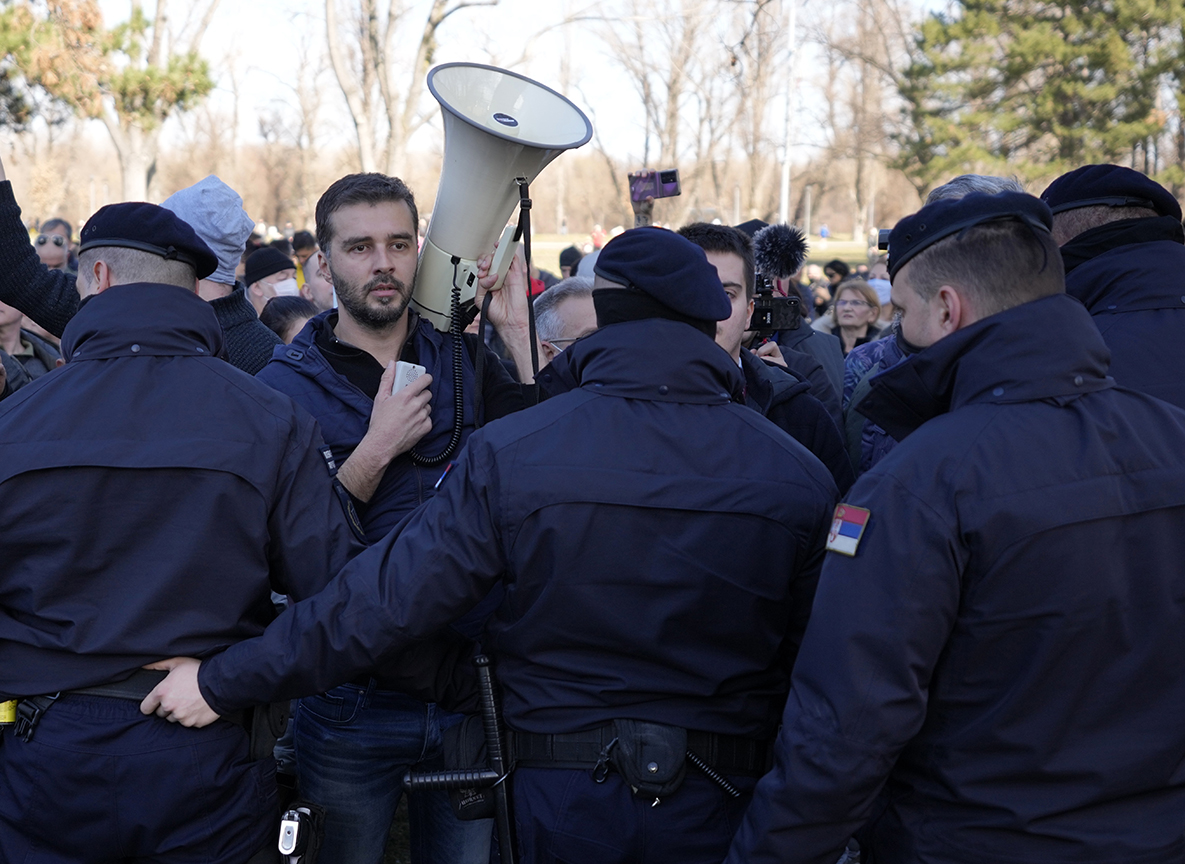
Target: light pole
(788, 129)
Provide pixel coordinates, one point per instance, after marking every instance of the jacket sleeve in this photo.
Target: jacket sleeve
(309, 530)
(399, 592)
(858, 693)
(47, 296)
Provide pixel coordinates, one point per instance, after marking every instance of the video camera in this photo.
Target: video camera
(772, 313)
(778, 253)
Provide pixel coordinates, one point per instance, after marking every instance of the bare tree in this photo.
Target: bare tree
(132, 77)
(384, 100)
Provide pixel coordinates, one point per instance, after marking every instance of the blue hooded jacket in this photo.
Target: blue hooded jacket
(343, 411)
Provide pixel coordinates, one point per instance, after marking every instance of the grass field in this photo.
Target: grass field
(546, 248)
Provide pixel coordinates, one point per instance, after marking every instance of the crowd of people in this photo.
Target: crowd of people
(897, 582)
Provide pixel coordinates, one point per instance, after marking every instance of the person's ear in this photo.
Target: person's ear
(549, 351)
(953, 312)
(323, 267)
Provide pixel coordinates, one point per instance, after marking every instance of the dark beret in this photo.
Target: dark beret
(669, 268)
(570, 257)
(148, 228)
(1112, 185)
(752, 227)
(264, 262)
(941, 219)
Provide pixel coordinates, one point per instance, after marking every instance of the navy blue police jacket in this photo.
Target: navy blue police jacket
(343, 411)
(151, 495)
(658, 545)
(1136, 295)
(1003, 648)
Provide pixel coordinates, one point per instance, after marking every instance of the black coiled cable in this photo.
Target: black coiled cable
(456, 336)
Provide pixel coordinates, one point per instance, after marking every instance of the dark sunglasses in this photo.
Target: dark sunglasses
(58, 239)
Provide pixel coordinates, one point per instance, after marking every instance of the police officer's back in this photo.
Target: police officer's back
(657, 544)
(1124, 251)
(989, 641)
(150, 496)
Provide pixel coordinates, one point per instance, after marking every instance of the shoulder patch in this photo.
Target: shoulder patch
(847, 527)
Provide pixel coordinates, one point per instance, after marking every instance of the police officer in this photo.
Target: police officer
(150, 496)
(987, 652)
(657, 544)
(1124, 252)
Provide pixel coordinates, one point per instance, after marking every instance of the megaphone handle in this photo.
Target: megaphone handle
(504, 257)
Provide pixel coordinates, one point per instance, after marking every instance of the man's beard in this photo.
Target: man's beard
(354, 300)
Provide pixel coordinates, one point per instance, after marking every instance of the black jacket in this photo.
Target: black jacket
(1135, 291)
(151, 496)
(790, 405)
(657, 544)
(50, 298)
(1001, 654)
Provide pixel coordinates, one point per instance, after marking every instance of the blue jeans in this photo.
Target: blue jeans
(353, 746)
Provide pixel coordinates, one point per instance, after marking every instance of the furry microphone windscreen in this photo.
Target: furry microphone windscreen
(778, 251)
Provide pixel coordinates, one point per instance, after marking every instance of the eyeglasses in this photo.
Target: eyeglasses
(848, 304)
(58, 239)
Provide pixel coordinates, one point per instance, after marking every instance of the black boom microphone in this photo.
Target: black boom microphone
(778, 253)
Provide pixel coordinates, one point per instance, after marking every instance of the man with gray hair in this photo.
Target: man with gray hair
(212, 208)
(563, 314)
(965, 184)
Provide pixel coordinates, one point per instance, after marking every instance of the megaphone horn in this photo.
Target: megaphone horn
(498, 126)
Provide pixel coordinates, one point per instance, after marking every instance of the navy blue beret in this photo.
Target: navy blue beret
(1112, 185)
(671, 269)
(941, 219)
(148, 228)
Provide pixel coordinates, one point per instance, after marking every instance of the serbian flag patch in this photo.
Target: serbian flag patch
(847, 528)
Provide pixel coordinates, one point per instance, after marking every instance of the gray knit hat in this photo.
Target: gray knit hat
(216, 214)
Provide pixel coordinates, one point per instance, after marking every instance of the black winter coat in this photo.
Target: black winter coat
(1136, 294)
(791, 406)
(151, 497)
(1001, 656)
(657, 544)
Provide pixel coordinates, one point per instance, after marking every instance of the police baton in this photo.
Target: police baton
(493, 776)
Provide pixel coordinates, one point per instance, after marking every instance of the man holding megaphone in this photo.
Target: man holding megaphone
(355, 741)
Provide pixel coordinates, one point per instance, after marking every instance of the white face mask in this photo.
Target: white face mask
(286, 287)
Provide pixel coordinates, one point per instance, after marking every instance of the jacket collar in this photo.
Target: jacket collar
(1132, 278)
(142, 319)
(1046, 349)
(652, 359)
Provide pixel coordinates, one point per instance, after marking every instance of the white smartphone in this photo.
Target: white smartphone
(405, 373)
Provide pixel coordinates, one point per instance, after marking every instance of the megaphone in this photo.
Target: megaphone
(498, 126)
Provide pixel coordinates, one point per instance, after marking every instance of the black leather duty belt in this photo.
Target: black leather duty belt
(140, 684)
(728, 754)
